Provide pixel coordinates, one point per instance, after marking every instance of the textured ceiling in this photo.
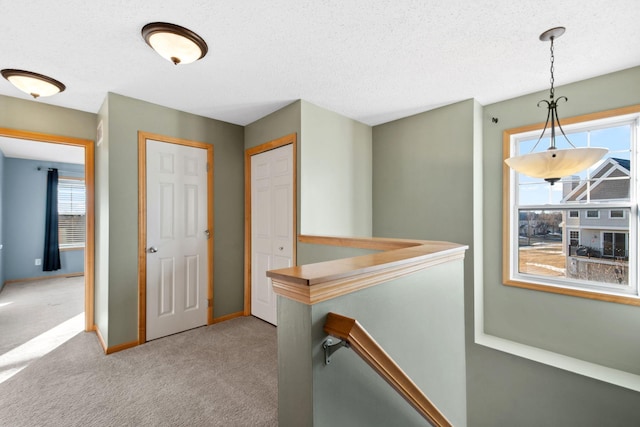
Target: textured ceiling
(373, 61)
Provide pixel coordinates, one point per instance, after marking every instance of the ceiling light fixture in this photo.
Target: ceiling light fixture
(553, 163)
(174, 43)
(34, 84)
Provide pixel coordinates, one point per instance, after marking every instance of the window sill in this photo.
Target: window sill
(594, 295)
(75, 248)
(578, 366)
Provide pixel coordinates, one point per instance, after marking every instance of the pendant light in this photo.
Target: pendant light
(554, 163)
(31, 83)
(174, 43)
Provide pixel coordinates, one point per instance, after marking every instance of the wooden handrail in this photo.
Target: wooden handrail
(322, 281)
(349, 330)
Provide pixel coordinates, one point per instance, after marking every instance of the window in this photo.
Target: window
(615, 245)
(580, 236)
(574, 238)
(616, 213)
(594, 214)
(71, 212)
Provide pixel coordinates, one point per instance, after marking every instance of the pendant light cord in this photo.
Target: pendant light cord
(552, 90)
(552, 112)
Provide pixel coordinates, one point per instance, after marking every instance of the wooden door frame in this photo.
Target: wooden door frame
(142, 224)
(89, 182)
(248, 153)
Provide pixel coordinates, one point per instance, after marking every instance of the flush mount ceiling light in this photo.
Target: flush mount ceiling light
(554, 163)
(34, 84)
(174, 43)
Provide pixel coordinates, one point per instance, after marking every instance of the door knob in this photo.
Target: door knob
(153, 250)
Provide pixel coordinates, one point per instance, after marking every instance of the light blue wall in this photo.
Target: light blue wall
(24, 201)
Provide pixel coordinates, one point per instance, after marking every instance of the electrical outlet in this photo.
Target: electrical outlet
(38, 261)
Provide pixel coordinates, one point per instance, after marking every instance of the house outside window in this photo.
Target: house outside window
(71, 213)
(579, 236)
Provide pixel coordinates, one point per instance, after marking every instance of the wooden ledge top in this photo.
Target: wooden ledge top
(325, 280)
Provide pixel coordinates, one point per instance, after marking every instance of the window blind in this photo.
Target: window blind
(71, 212)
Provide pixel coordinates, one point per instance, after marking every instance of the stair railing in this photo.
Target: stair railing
(358, 339)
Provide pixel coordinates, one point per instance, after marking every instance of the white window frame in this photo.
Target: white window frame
(624, 214)
(577, 234)
(562, 285)
(77, 208)
(571, 213)
(587, 211)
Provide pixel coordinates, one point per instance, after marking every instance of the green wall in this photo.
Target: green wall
(507, 390)
(426, 305)
(2, 184)
(101, 265)
(432, 177)
(280, 123)
(423, 182)
(36, 116)
(273, 126)
(312, 253)
(127, 116)
(438, 175)
(335, 174)
(422, 176)
(334, 167)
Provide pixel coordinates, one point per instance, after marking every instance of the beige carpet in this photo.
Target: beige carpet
(27, 309)
(220, 375)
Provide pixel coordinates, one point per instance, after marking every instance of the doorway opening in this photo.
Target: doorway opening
(40, 143)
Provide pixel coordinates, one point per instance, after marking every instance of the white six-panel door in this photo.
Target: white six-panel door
(177, 234)
(271, 225)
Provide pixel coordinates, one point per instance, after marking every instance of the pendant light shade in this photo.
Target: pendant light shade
(553, 164)
(174, 43)
(31, 83)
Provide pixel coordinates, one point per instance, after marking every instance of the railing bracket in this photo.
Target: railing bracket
(330, 348)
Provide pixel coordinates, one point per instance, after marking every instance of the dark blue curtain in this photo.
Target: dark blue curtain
(51, 259)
